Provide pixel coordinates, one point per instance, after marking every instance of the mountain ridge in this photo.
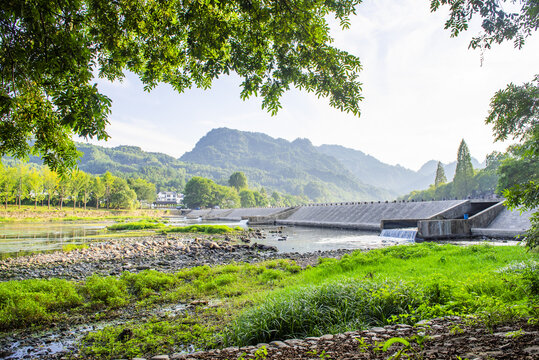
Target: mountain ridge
(322, 173)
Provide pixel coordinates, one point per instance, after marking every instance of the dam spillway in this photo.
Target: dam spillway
(234, 214)
(433, 219)
(367, 216)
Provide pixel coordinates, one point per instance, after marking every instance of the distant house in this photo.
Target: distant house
(169, 198)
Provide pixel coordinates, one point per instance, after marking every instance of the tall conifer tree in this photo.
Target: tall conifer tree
(440, 175)
(463, 180)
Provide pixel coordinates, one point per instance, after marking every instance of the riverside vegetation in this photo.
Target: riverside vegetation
(277, 299)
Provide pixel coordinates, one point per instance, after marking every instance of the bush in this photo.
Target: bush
(147, 282)
(105, 291)
(30, 302)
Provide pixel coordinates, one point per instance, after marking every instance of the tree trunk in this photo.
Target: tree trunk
(96, 203)
(85, 200)
(49, 202)
(61, 200)
(35, 204)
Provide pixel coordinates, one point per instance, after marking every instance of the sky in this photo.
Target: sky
(423, 92)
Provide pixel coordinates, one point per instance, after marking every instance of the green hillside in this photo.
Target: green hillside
(295, 167)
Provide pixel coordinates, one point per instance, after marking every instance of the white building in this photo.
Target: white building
(169, 198)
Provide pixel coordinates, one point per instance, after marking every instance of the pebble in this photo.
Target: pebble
(158, 252)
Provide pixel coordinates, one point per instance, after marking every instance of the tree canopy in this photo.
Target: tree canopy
(514, 112)
(498, 24)
(238, 180)
(50, 52)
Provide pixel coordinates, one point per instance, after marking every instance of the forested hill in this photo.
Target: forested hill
(295, 167)
(324, 173)
(395, 178)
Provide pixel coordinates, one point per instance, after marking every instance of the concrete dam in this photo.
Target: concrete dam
(433, 219)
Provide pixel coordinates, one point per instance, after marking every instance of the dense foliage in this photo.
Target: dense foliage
(238, 180)
(205, 193)
(463, 180)
(23, 183)
(514, 112)
(50, 52)
(470, 182)
(440, 175)
(498, 23)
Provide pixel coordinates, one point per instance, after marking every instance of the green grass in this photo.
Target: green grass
(32, 302)
(147, 225)
(71, 247)
(139, 225)
(38, 302)
(277, 300)
(207, 229)
(152, 337)
(402, 284)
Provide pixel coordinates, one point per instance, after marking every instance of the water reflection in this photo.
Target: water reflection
(17, 239)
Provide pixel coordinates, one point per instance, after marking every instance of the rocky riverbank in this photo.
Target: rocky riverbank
(166, 253)
(444, 338)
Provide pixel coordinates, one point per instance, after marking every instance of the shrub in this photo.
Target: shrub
(105, 291)
(139, 225)
(148, 281)
(36, 301)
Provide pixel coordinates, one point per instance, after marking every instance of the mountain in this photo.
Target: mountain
(295, 167)
(371, 170)
(323, 173)
(395, 178)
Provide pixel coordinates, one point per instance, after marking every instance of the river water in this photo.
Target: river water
(23, 238)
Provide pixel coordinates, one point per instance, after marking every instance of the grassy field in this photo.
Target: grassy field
(278, 300)
(43, 213)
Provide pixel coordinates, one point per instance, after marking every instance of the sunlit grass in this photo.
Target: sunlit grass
(396, 284)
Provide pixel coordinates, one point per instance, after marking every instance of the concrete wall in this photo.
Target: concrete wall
(272, 218)
(443, 229)
(496, 221)
(485, 217)
(455, 211)
(366, 216)
(507, 224)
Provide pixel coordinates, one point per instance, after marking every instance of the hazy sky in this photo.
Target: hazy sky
(424, 92)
